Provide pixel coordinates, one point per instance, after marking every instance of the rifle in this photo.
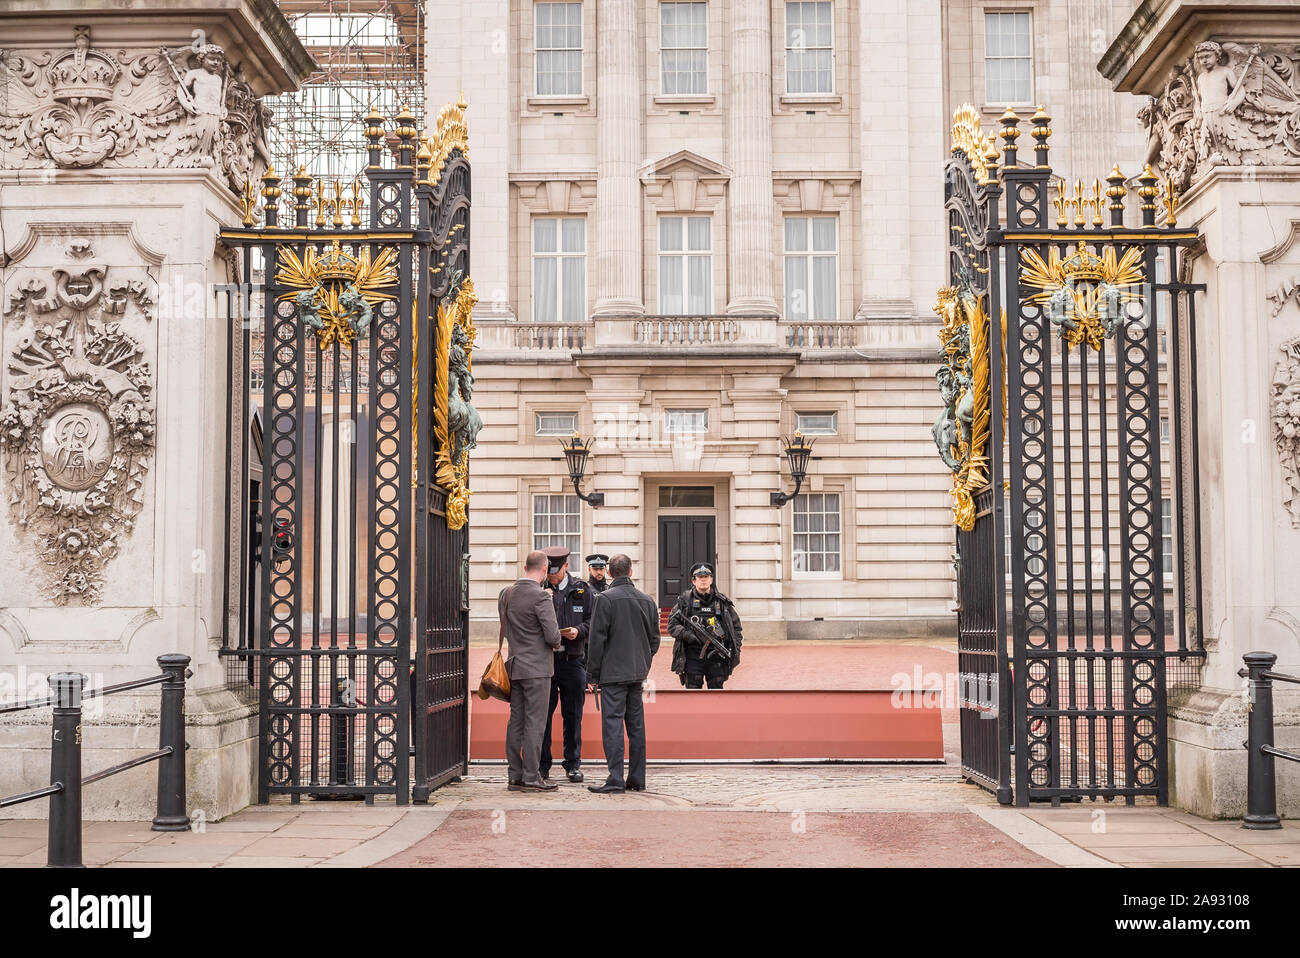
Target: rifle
(712, 645)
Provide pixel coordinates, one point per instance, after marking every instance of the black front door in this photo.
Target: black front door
(683, 541)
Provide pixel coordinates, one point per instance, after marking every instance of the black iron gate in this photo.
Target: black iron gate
(1068, 376)
(357, 652)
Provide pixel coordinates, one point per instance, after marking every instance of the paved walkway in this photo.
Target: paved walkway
(729, 815)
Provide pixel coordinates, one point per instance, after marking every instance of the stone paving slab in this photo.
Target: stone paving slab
(273, 846)
(311, 830)
(250, 861)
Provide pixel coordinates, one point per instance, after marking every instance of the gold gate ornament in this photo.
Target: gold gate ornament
(451, 471)
(335, 291)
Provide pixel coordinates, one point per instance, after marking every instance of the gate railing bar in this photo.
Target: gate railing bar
(66, 778)
(1261, 781)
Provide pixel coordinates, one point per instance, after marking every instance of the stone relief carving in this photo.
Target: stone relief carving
(1286, 425)
(77, 429)
(1226, 105)
(86, 107)
(1286, 290)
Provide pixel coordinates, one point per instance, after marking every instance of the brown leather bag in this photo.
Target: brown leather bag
(496, 681)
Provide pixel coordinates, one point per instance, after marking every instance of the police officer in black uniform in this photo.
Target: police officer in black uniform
(703, 607)
(573, 600)
(596, 572)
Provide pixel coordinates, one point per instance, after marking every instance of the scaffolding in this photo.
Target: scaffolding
(369, 53)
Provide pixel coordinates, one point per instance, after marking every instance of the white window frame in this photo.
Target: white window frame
(559, 255)
(542, 539)
(813, 313)
(682, 426)
(563, 433)
(538, 50)
(1164, 430)
(685, 254)
(988, 94)
(799, 563)
(788, 47)
(835, 423)
(663, 88)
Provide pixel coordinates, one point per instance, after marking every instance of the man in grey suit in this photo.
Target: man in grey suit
(529, 617)
(624, 637)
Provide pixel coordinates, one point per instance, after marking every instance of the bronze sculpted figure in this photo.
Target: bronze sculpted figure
(463, 420)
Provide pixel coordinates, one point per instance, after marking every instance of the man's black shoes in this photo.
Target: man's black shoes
(542, 786)
(609, 788)
(635, 788)
(575, 776)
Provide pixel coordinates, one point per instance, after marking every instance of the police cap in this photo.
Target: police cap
(597, 561)
(702, 568)
(556, 557)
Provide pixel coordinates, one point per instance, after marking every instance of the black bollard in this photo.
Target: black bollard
(1261, 782)
(65, 770)
(172, 816)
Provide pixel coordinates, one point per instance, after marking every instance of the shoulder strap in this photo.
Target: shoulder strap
(505, 607)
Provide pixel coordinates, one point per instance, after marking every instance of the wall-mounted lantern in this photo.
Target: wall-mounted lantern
(798, 450)
(575, 454)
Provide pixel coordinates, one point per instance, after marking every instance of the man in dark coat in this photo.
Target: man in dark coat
(596, 572)
(694, 660)
(572, 599)
(624, 638)
(528, 620)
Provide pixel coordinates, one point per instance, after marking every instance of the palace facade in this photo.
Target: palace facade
(700, 227)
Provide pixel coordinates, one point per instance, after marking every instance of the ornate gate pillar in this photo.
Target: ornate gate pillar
(1223, 122)
(127, 137)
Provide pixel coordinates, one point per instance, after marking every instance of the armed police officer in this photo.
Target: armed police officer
(573, 601)
(596, 572)
(706, 633)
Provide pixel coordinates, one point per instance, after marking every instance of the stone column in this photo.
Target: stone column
(749, 150)
(479, 65)
(1243, 194)
(113, 538)
(757, 557)
(903, 132)
(618, 144)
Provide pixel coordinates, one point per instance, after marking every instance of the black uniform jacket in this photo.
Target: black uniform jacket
(688, 604)
(573, 604)
(624, 634)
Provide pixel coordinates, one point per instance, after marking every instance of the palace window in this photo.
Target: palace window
(809, 48)
(558, 41)
(557, 423)
(811, 268)
(817, 532)
(1164, 429)
(816, 423)
(559, 270)
(686, 420)
(1008, 58)
(684, 48)
(557, 521)
(1167, 536)
(685, 265)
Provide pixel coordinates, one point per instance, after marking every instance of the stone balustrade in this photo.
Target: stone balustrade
(642, 332)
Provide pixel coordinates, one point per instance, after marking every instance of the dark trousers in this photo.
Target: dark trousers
(568, 688)
(620, 705)
(697, 670)
(524, 730)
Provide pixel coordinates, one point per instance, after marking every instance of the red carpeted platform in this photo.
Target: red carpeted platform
(704, 725)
